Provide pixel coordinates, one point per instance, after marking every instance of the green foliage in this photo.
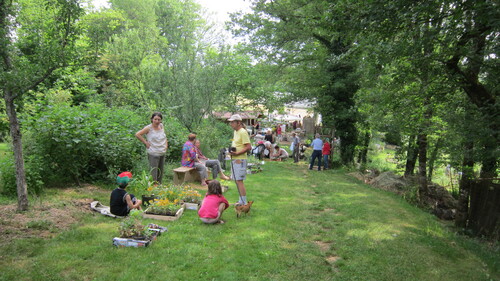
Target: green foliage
(213, 135)
(4, 149)
(430, 68)
(302, 39)
(140, 182)
(132, 226)
(176, 135)
(4, 124)
(392, 137)
(99, 27)
(71, 85)
(382, 161)
(338, 108)
(45, 33)
(34, 175)
(76, 143)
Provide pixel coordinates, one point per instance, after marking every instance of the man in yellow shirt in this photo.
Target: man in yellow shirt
(239, 148)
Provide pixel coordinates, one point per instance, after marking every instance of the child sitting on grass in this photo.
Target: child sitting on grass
(213, 205)
(120, 201)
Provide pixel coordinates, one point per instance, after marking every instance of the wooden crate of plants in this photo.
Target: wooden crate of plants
(164, 217)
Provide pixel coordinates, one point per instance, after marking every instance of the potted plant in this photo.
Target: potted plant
(131, 227)
(153, 191)
(164, 209)
(134, 234)
(191, 198)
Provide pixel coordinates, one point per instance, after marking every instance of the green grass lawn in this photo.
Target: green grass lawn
(304, 225)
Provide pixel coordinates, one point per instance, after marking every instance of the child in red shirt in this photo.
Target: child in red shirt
(326, 153)
(213, 205)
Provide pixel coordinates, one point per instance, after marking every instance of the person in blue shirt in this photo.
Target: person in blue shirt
(317, 145)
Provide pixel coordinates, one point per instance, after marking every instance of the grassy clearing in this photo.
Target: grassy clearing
(305, 225)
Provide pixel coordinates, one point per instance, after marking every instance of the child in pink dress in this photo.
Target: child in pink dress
(213, 205)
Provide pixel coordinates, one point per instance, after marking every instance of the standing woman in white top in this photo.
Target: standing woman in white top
(156, 145)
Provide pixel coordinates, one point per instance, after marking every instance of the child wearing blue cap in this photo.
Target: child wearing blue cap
(121, 202)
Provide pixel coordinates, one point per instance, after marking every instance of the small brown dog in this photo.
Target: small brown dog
(243, 208)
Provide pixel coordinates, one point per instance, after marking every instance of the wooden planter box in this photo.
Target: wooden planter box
(164, 217)
(139, 242)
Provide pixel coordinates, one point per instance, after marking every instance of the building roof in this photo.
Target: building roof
(244, 115)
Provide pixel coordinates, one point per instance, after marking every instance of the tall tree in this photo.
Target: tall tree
(192, 66)
(459, 39)
(36, 37)
(311, 41)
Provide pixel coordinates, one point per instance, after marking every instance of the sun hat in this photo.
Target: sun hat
(235, 117)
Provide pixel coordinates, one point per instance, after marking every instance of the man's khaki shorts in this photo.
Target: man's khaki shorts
(239, 169)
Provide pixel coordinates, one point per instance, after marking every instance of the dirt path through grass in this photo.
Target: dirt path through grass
(304, 225)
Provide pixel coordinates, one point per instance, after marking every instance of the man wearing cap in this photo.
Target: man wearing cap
(239, 148)
(120, 201)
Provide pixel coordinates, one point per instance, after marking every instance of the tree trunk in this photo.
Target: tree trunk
(490, 161)
(465, 186)
(469, 79)
(422, 164)
(15, 132)
(364, 151)
(411, 158)
(433, 158)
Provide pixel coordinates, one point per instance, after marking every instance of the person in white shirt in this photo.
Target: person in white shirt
(283, 131)
(317, 145)
(156, 145)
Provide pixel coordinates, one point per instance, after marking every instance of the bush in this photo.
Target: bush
(92, 142)
(77, 143)
(64, 143)
(393, 137)
(213, 135)
(33, 172)
(176, 135)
